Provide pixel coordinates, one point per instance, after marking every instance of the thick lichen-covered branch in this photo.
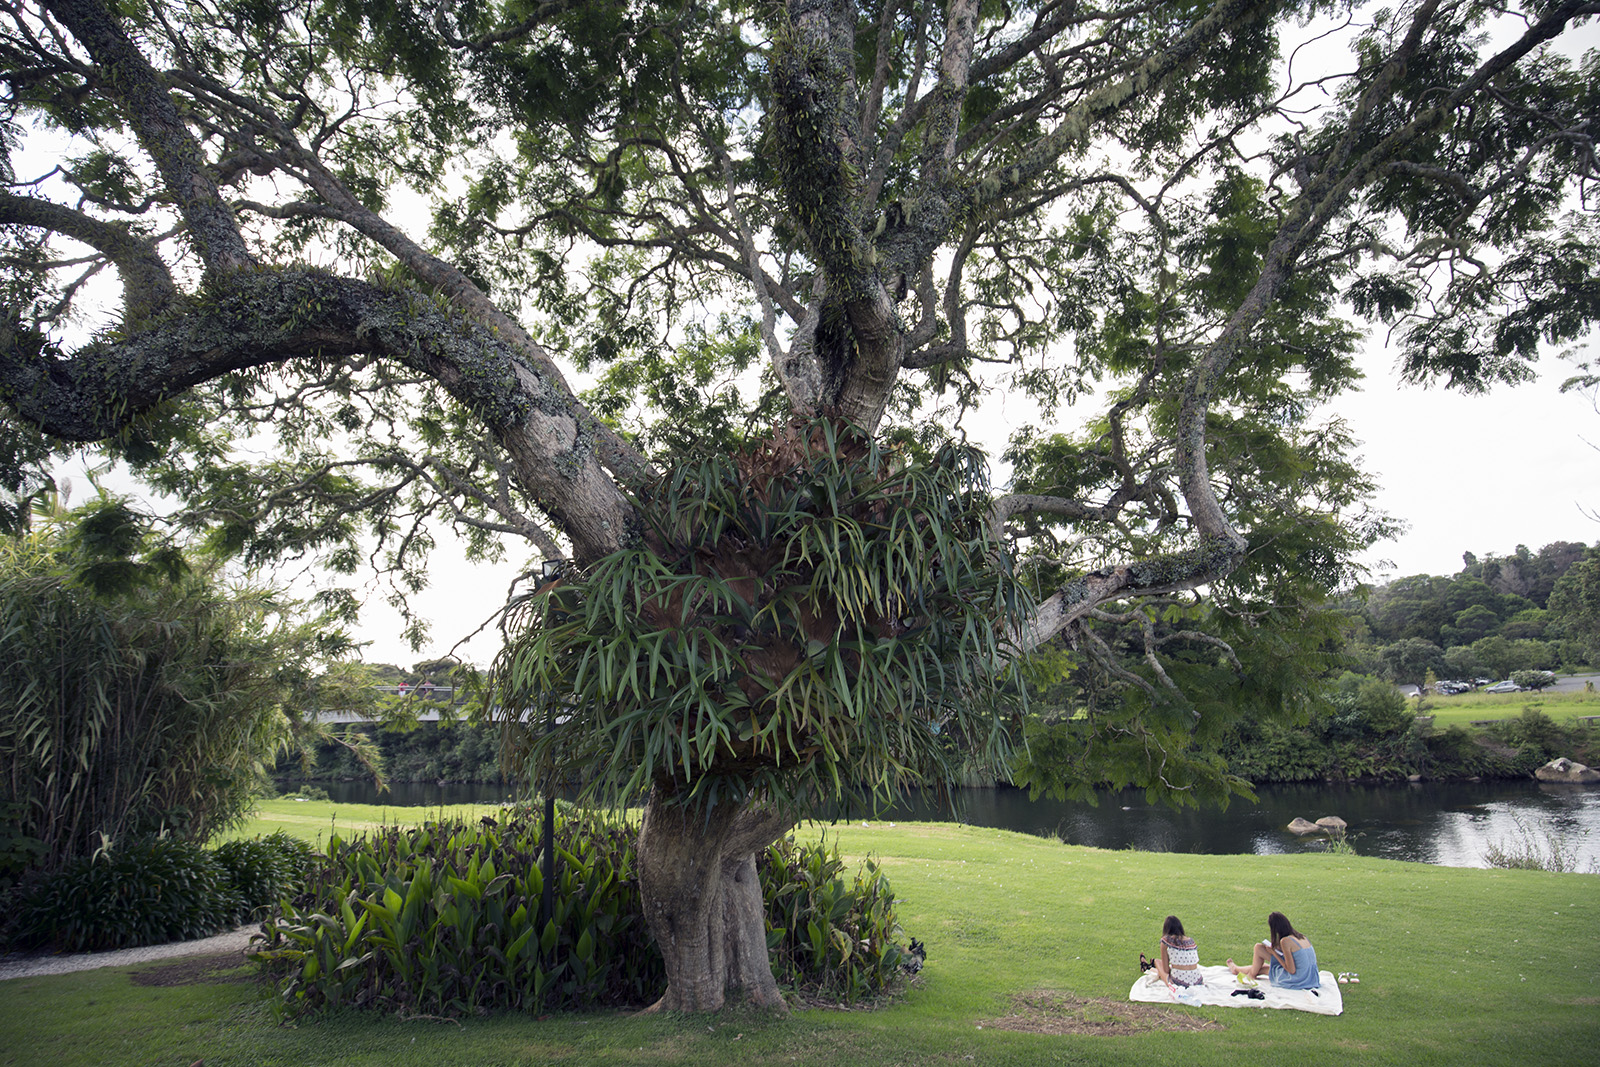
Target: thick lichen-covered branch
(1209, 560)
(258, 319)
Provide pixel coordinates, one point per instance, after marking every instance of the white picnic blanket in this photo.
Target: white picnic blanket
(1220, 984)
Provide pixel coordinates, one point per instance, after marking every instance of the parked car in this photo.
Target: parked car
(1504, 687)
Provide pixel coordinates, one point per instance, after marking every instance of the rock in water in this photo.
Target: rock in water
(1565, 770)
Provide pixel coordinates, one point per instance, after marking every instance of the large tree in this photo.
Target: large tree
(886, 205)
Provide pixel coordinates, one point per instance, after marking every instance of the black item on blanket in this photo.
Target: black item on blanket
(1250, 994)
(1145, 964)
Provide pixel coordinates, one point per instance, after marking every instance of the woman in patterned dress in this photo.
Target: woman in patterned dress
(1179, 962)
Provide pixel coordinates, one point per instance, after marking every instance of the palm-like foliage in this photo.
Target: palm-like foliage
(141, 692)
(812, 613)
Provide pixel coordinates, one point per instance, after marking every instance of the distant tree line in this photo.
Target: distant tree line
(426, 752)
(1529, 611)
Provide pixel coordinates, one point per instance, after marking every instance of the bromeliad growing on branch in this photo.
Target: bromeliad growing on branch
(892, 207)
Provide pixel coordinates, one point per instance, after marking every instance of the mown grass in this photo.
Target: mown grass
(316, 820)
(1458, 967)
(1469, 707)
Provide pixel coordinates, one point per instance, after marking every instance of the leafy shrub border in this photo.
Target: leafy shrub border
(443, 919)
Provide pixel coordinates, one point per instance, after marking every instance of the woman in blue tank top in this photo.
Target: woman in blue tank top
(1287, 957)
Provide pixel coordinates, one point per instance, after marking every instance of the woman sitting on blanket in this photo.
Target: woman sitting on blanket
(1287, 957)
(1179, 962)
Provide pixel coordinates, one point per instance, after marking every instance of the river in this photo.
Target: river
(1454, 824)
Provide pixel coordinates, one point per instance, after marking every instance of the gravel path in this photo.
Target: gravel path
(28, 965)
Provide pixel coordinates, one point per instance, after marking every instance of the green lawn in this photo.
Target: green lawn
(314, 820)
(1457, 966)
(1467, 708)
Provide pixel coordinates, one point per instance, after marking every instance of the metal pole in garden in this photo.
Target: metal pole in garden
(547, 899)
(550, 570)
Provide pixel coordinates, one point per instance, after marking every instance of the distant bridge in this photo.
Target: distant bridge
(430, 701)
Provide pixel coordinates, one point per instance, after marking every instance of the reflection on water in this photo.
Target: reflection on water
(1448, 823)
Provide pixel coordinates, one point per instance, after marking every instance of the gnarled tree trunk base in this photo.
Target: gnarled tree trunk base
(702, 902)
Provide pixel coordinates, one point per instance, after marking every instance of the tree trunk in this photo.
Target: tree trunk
(702, 901)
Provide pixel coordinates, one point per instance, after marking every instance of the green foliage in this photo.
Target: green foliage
(1458, 748)
(445, 919)
(688, 398)
(261, 870)
(1488, 620)
(1277, 752)
(18, 851)
(806, 616)
(1368, 732)
(153, 891)
(427, 752)
(1117, 720)
(1366, 707)
(839, 939)
(1411, 659)
(1496, 615)
(1537, 737)
(148, 892)
(142, 689)
(1575, 604)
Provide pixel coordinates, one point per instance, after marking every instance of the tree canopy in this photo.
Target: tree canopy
(366, 250)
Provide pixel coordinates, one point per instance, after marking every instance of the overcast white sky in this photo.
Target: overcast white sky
(1478, 473)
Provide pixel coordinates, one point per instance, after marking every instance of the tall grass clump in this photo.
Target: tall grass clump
(1530, 850)
(142, 689)
(444, 919)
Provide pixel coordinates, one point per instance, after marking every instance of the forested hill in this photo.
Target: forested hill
(1526, 611)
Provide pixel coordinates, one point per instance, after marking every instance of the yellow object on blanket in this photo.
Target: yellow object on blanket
(1220, 985)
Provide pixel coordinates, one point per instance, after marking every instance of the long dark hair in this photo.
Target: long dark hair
(1280, 927)
(1172, 927)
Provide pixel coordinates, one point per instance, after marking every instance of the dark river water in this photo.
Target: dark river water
(1449, 823)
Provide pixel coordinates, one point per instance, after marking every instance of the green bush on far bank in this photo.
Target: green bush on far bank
(1370, 731)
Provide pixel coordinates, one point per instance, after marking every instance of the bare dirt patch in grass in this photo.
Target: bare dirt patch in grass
(196, 969)
(1045, 1011)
